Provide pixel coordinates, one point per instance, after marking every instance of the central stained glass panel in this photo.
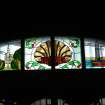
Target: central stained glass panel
(38, 53)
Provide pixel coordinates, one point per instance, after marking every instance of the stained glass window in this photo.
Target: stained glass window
(37, 53)
(10, 55)
(67, 53)
(94, 53)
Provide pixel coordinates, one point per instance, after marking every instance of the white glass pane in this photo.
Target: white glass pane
(37, 102)
(43, 101)
(66, 104)
(103, 101)
(1, 104)
(48, 101)
(60, 102)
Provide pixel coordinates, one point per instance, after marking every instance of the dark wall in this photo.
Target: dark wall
(32, 84)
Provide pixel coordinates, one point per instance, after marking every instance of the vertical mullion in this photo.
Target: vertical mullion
(52, 53)
(82, 53)
(22, 53)
(54, 101)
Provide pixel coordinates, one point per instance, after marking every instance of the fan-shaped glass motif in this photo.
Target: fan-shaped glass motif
(67, 53)
(37, 53)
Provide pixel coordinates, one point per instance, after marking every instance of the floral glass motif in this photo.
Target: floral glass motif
(37, 53)
(10, 55)
(67, 53)
(94, 53)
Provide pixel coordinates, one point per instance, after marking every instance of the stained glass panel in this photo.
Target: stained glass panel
(37, 53)
(10, 55)
(94, 53)
(67, 53)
